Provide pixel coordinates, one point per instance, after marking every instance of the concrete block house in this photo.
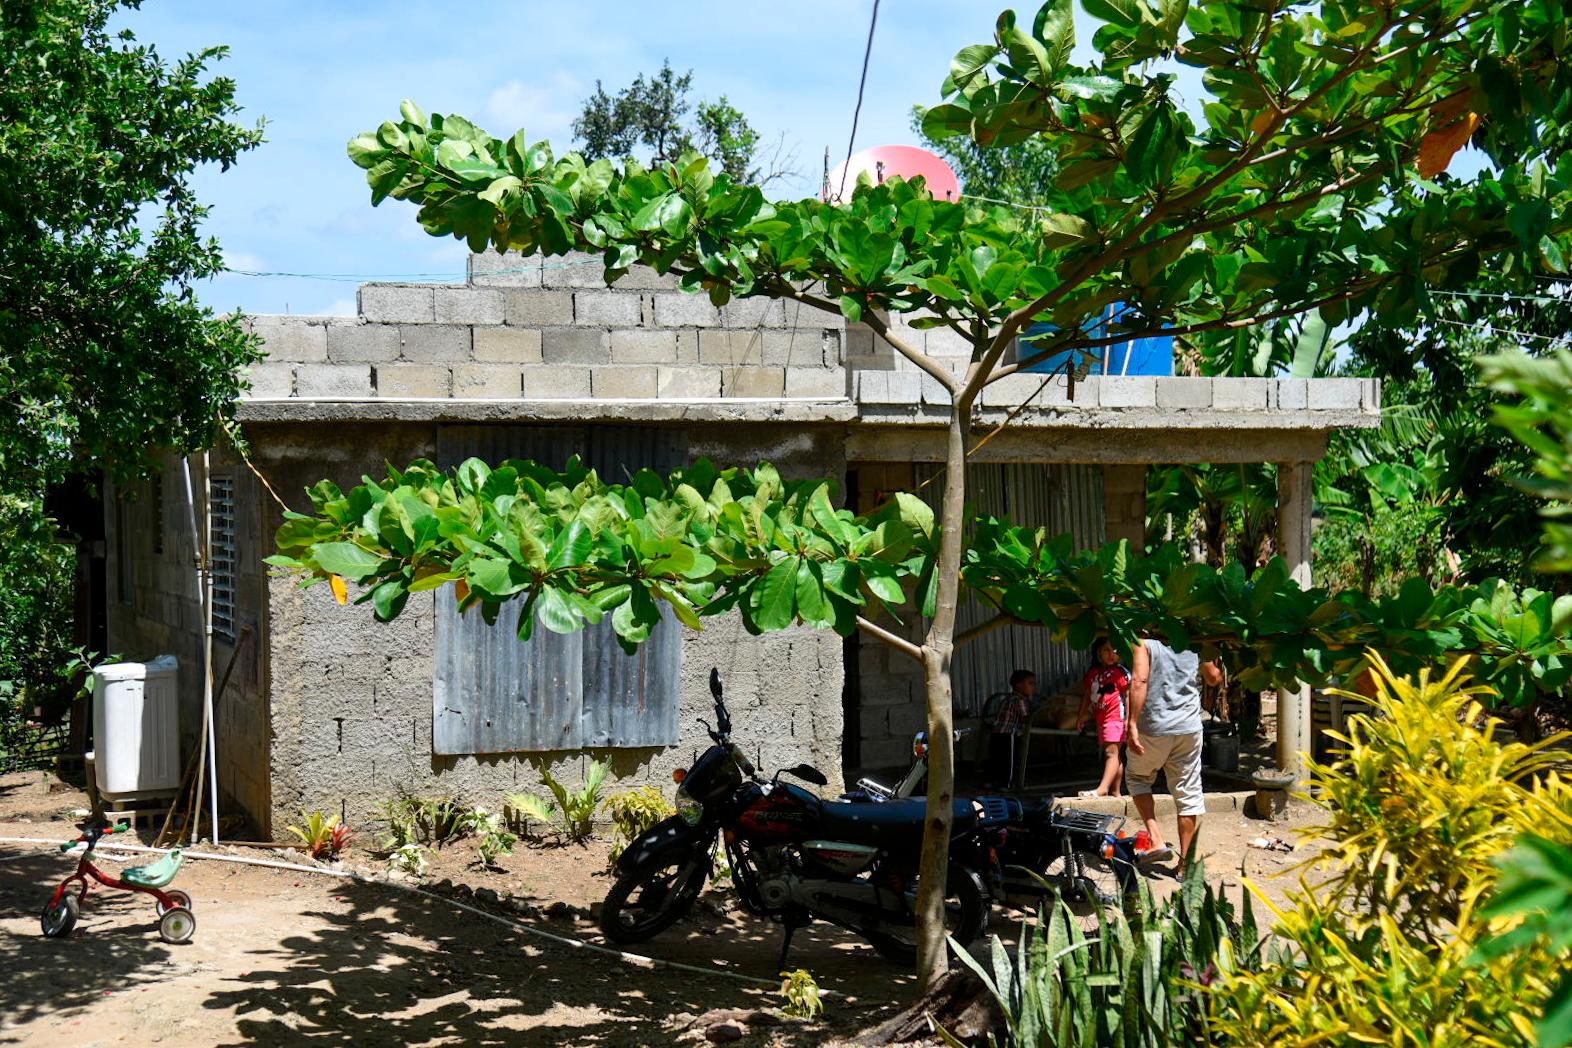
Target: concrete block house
(327, 709)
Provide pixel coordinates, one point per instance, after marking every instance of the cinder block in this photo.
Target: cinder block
(1241, 394)
(536, 309)
(1293, 394)
(1184, 393)
(797, 348)
(731, 347)
(397, 304)
(654, 346)
(1370, 394)
(544, 382)
(333, 380)
(820, 383)
(1333, 394)
(623, 383)
(574, 346)
(291, 338)
(435, 344)
(933, 392)
(505, 345)
(1013, 390)
(270, 380)
(468, 305)
(1128, 391)
(753, 382)
(859, 342)
(362, 343)
(487, 381)
(759, 312)
(606, 308)
(680, 309)
(573, 270)
(905, 387)
(945, 342)
(412, 380)
(687, 383)
(643, 278)
(493, 270)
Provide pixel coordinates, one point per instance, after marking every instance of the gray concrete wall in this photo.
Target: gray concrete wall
(162, 615)
(351, 697)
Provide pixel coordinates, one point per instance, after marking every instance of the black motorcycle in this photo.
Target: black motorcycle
(1083, 857)
(796, 857)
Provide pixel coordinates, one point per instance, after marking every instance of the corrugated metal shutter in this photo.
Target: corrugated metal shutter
(1063, 498)
(496, 694)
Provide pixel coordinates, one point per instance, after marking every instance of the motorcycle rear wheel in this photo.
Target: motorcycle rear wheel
(652, 896)
(966, 907)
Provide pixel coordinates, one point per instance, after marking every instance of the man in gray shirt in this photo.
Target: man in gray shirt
(1163, 732)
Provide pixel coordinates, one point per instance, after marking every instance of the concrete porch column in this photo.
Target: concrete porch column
(1124, 504)
(1294, 496)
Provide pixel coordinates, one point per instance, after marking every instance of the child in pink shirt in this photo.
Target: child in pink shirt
(1106, 685)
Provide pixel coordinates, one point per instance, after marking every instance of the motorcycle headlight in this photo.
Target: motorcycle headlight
(692, 811)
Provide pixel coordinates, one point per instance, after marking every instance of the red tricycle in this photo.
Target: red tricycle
(176, 922)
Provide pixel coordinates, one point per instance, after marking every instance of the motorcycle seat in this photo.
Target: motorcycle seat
(891, 822)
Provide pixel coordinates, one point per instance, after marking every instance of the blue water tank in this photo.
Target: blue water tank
(1141, 356)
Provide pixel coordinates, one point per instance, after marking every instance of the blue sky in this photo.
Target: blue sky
(322, 72)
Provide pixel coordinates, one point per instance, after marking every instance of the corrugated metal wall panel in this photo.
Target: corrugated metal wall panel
(496, 694)
(1063, 498)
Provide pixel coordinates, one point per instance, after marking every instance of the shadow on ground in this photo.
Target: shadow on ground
(116, 944)
(400, 969)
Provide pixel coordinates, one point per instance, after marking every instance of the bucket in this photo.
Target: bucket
(1220, 749)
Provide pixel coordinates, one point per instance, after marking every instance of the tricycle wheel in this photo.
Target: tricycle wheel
(59, 917)
(179, 898)
(177, 925)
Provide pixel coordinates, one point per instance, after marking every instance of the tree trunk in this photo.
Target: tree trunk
(938, 647)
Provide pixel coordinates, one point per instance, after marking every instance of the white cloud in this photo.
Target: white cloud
(544, 110)
(341, 307)
(243, 260)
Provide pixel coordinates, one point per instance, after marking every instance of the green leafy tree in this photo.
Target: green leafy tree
(105, 352)
(1316, 184)
(1540, 416)
(647, 118)
(1020, 174)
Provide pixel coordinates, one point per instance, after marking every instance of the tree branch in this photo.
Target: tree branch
(939, 373)
(900, 644)
(1000, 620)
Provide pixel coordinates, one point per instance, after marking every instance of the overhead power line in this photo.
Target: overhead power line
(862, 84)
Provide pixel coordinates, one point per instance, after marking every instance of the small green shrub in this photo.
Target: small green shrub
(409, 857)
(423, 820)
(1396, 946)
(573, 811)
(634, 811)
(801, 991)
(492, 839)
(1134, 982)
(321, 834)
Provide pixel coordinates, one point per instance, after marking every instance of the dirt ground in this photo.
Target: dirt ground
(294, 958)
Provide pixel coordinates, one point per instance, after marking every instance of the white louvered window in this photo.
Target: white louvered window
(222, 508)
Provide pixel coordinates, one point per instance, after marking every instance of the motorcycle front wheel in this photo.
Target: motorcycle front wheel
(966, 906)
(653, 896)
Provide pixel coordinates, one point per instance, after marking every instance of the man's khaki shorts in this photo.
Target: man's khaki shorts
(1180, 757)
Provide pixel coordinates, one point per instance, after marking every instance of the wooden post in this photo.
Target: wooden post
(1294, 496)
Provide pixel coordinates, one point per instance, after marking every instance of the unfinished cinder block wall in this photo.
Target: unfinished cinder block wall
(352, 698)
(550, 329)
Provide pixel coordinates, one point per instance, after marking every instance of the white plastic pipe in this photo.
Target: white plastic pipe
(207, 652)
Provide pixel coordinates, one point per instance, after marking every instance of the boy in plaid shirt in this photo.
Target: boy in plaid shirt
(1008, 722)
